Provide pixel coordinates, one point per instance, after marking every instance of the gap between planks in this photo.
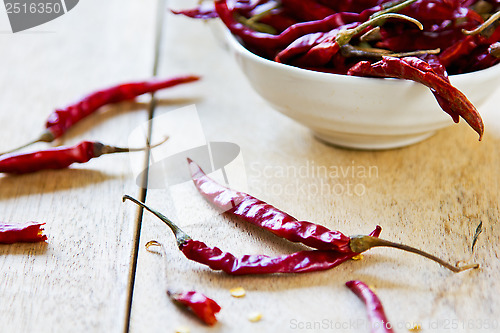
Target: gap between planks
(160, 19)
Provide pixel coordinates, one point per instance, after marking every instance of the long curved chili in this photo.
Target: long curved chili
(59, 157)
(376, 314)
(298, 262)
(61, 120)
(266, 216)
(26, 233)
(451, 100)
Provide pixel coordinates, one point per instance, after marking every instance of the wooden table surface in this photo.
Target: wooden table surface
(94, 274)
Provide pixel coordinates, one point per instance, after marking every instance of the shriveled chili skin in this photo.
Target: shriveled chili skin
(298, 262)
(266, 216)
(55, 158)
(376, 314)
(203, 307)
(453, 101)
(62, 119)
(28, 233)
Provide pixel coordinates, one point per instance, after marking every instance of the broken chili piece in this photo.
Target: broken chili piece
(26, 233)
(60, 157)
(203, 307)
(61, 120)
(298, 262)
(376, 314)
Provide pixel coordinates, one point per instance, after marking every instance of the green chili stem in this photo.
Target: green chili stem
(105, 149)
(343, 37)
(354, 51)
(46, 136)
(393, 8)
(180, 235)
(483, 26)
(362, 243)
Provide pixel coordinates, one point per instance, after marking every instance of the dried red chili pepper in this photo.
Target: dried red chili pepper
(306, 10)
(376, 314)
(298, 262)
(203, 307)
(62, 120)
(59, 157)
(28, 233)
(318, 49)
(266, 216)
(450, 98)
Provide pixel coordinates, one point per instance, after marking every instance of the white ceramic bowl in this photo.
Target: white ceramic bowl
(357, 112)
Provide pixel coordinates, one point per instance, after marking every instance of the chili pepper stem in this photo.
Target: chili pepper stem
(105, 149)
(46, 136)
(483, 26)
(343, 37)
(362, 243)
(180, 235)
(395, 7)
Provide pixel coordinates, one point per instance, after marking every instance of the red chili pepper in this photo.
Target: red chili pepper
(62, 120)
(59, 158)
(203, 307)
(268, 217)
(269, 44)
(306, 10)
(299, 262)
(450, 98)
(318, 49)
(28, 233)
(376, 314)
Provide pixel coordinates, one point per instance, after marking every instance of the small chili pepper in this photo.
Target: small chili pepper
(60, 157)
(28, 233)
(203, 307)
(266, 216)
(298, 262)
(451, 100)
(306, 10)
(376, 314)
(61, 120)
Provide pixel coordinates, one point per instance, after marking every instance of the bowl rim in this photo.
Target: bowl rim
(322, 76)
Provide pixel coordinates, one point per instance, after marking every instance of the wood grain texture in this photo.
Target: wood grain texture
(78, 280)
(431, 195)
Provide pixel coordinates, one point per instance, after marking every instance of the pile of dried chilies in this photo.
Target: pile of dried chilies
(331, 248)
(433, 39)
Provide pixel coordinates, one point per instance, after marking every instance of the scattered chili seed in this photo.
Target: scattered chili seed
(255, 317)
(238, 292)
(416, 328)
(21, 233)
(358, 257)
(182, 329)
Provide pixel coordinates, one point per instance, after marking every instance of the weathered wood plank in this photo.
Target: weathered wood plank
(78, 281)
